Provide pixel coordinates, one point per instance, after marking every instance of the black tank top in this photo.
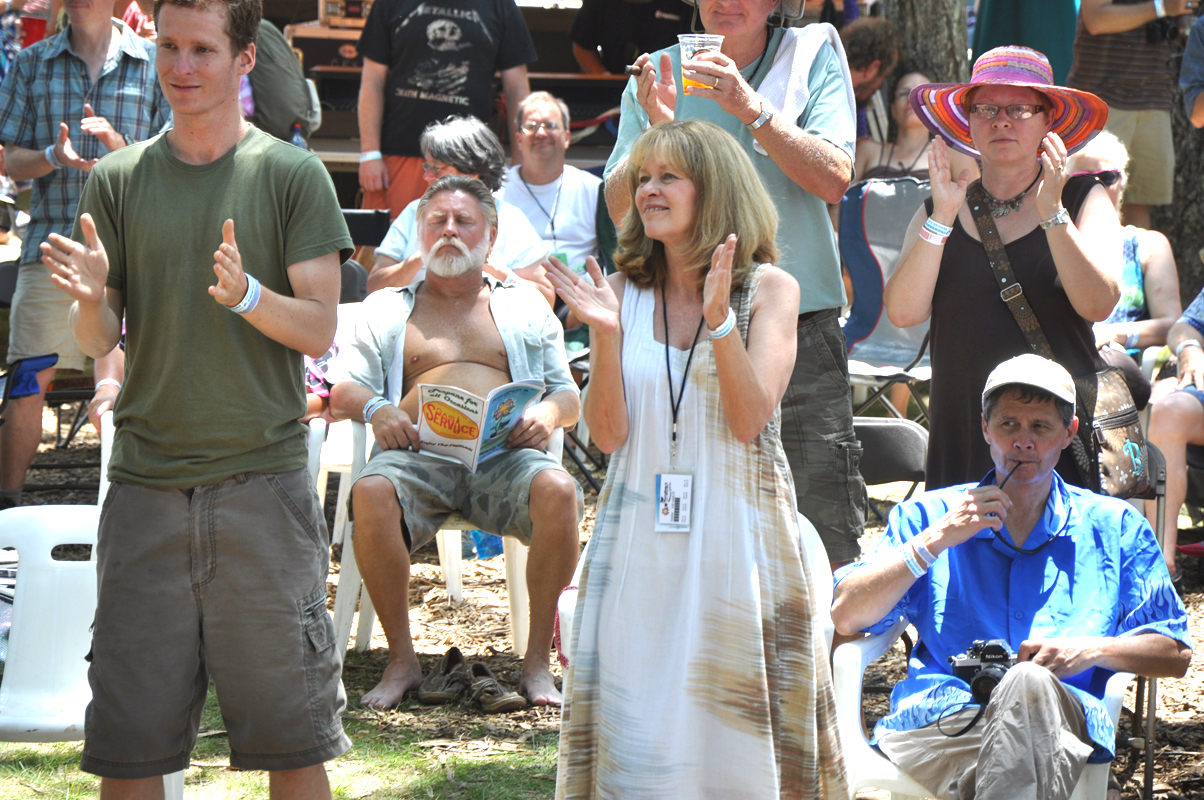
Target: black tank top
(972, 331)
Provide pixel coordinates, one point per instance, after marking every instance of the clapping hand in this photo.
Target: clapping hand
(656, 89)
(589, 296)
(80, 270)
(1053, 176)
(948, 194)
(101, 129)
(717, 290)
(232, 282)
(64, 151)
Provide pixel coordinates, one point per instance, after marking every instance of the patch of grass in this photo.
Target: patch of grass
(387, 760)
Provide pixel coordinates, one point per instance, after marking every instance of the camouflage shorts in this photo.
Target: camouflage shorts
(431, 489)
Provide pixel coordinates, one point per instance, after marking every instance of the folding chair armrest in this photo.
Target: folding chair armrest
(315, 439)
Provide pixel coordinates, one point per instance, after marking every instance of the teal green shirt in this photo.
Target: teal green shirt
(805, 234)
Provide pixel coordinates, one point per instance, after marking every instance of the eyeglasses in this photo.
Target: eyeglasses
(531, 126)
(1021, 111)
(436, 169)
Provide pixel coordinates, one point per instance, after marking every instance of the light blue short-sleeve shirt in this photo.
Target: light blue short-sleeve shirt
(805, 235)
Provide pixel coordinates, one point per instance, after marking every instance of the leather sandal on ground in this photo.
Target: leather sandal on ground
(447, 681)
(490, 695)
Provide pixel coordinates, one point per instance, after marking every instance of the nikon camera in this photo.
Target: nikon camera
(983, 666)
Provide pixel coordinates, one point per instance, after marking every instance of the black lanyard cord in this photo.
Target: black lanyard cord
(675, 404)
(555, 202)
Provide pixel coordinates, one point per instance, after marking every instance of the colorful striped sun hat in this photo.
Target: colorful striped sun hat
(1076, 116)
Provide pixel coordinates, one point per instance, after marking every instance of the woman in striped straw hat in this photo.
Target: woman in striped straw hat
(1061, 245)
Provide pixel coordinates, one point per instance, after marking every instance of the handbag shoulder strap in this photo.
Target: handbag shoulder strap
(1011, 292)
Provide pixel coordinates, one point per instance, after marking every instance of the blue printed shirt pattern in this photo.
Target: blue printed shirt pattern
(49, 84)
(1103, 575)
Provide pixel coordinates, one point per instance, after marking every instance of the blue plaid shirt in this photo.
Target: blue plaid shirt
(1102, 575)
(49, 84)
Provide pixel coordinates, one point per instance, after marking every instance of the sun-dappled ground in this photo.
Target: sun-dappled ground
(455, 751)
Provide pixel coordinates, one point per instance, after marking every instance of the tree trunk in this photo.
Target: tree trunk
(933, 37)
(1183, 220)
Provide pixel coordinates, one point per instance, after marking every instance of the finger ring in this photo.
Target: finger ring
(715, 85)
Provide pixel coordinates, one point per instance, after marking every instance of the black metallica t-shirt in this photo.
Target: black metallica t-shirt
(441, 58)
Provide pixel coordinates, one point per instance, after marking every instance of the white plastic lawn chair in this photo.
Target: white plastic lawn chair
(448, 540)
(45, 687)
(869, 769)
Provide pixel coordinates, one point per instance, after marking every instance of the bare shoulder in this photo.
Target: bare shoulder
(618, 282)
(778, 290)
(1153, 242)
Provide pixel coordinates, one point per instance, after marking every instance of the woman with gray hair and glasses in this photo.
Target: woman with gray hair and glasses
(462, 146)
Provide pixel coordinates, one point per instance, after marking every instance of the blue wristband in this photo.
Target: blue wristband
(372, 406)
(937, 228)
(250, 299)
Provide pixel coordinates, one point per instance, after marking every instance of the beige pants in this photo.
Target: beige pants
(1031, 743)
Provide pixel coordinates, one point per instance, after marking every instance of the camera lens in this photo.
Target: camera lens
(985, 682)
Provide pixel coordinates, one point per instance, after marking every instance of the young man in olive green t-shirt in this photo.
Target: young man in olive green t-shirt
(212, 552)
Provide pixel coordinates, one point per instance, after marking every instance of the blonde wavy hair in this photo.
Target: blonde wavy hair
(729, 199)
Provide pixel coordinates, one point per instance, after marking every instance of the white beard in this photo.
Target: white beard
(456, 265)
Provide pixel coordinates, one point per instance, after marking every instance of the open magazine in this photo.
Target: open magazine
(459, 425)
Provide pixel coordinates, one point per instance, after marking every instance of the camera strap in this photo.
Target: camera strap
(982, 709)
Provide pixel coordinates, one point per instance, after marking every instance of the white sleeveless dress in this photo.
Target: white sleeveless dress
(698, 672)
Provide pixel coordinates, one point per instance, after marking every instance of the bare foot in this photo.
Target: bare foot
(400, 676)
(538, 686)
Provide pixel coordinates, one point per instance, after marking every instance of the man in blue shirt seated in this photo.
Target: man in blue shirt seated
(1073, 582)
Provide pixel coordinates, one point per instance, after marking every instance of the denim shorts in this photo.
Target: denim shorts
(495, 499)
(226, 580)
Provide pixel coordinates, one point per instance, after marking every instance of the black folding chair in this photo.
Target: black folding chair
(892, 450)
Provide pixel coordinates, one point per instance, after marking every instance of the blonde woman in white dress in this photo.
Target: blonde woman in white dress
(698, 670)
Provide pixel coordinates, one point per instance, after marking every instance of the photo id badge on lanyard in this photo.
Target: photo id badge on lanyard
(674, 486)
(674, 499)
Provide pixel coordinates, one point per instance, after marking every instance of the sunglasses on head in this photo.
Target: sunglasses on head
(1107, 176)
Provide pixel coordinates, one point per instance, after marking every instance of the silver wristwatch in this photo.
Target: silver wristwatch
(765, 116)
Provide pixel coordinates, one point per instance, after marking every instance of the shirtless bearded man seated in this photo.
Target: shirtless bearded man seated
(464, 329)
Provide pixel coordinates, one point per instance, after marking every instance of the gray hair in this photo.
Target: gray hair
(468, 145)
(1027, 394)
(541, 97)
(461, 183)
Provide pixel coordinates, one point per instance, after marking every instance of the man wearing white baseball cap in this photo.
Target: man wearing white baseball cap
(1063, 585)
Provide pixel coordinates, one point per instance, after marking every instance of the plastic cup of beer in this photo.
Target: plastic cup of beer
(691, 45)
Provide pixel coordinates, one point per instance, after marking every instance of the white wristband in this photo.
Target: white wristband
(52, 158)
(249, 300)
(371, 155)
(726, 326)
(1187, 343)
(106, 382)
(1159, 9)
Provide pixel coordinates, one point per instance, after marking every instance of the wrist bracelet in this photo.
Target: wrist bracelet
(1187, 343)
(105, 382)
(932, 238)
(372, 406)
(52, 158)
(909, 558)
(1159, 9)
(1131, 341)
(923, 552)
(726, 326)
(937, 228)
(1061, 218)
(371, 155)
(249, 300)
